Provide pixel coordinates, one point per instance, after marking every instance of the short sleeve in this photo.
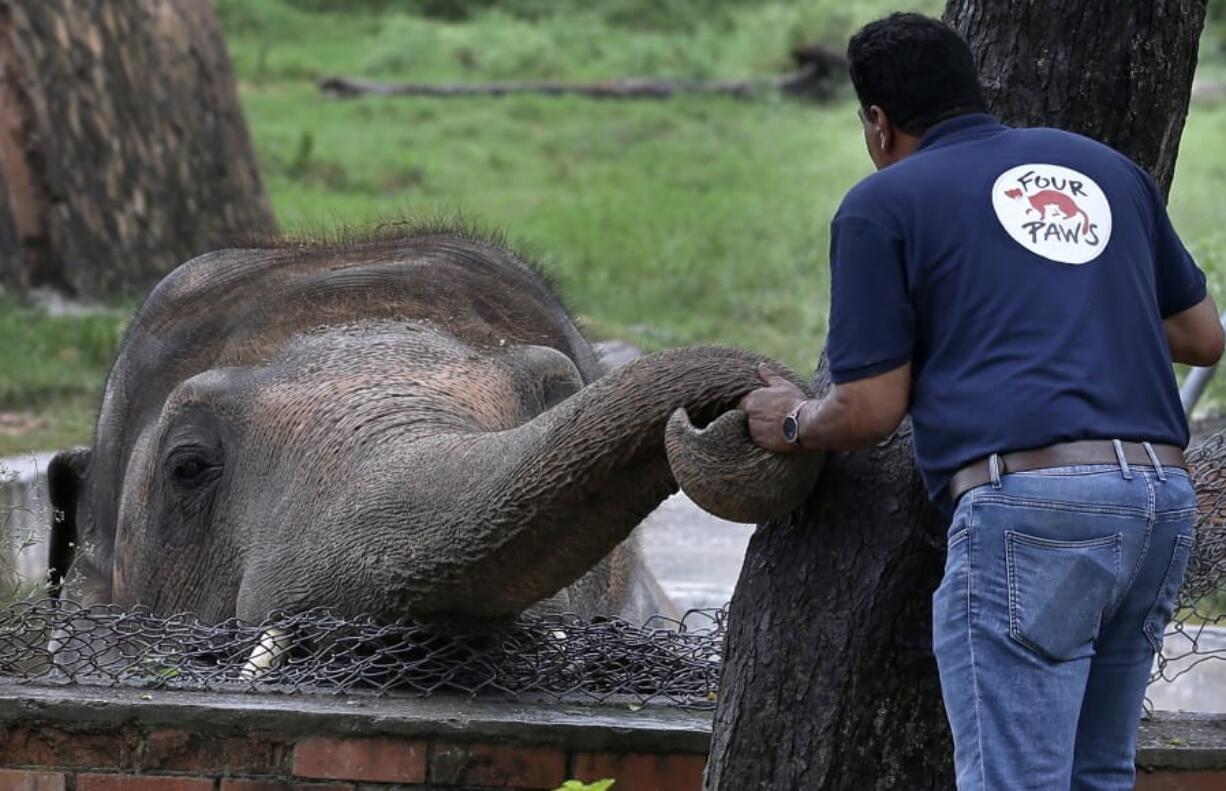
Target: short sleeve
(872, 320)
(1179, 282)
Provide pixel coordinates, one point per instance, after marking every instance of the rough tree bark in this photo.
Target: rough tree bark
(123, 149)
(1119, 72)
(10, 243)
(829, 681)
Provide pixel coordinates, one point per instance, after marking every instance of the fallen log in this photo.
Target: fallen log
(631, 88)
(817, 70)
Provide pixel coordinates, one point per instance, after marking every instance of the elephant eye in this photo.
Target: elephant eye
(191, 468)
(188, 469)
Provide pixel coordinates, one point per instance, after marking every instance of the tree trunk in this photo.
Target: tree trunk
(1119, 72)
(10, 243)
(123, 150)
(829, 680)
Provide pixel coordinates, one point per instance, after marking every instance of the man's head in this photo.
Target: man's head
(910, 73)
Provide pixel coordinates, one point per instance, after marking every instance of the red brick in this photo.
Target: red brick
(380, 760)
(642, 771)
(142, 783)
(497, 765)
(13, 780)
(1181, 781)
(181, 751)
(25, 745)
(275, 785)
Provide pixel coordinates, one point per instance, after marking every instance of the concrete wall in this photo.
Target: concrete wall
(95, 739)
(25, 516)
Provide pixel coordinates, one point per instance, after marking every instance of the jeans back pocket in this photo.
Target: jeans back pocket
(1058, 591)
(1164, 607)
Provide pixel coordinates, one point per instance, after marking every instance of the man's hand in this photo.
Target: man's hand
(768, 406)
(850, 416)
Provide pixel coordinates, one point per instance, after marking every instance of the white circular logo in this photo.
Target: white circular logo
(1054, 212)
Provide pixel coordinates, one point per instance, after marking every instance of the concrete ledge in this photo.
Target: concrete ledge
(606, 728)
(1183, 741)
(1168, 740)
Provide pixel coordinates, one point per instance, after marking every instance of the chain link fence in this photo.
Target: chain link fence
(558, 657)
(1198, 632)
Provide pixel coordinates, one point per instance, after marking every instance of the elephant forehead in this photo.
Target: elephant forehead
(381, 383)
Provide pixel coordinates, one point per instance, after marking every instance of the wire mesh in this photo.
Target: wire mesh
(1198, 631)
(559, 657)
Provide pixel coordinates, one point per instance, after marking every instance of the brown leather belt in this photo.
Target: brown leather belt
(1065, 454)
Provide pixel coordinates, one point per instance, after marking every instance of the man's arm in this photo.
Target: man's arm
(1189, 317)
(852, 415)
(1195, 335)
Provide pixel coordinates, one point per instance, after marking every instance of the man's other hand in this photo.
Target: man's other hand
(768, 406)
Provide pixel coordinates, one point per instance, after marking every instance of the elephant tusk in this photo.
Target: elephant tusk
(266, 655)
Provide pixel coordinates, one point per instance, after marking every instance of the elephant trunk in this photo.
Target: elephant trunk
(547, 500)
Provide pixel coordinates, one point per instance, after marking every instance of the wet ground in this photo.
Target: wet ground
(695, 556)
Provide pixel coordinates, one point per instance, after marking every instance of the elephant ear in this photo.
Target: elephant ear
(65, 485)
(722, 470)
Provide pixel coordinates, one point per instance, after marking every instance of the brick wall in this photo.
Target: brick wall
(43, 757)
(80, 739)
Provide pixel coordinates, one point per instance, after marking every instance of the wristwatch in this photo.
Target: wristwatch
(791, 425)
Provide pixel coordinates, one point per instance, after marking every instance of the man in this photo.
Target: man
(1022, 294)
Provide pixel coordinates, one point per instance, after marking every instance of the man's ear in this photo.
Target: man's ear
(884, 128)
(66, 486)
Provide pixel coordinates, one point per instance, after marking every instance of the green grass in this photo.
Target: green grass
(695, 220)
(698, 220)
(274, 41)
(52, 371)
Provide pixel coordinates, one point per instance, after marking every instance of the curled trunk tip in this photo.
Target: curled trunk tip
(721, 469)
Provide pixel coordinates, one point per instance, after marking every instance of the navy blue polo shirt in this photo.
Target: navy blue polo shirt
(1024, 273)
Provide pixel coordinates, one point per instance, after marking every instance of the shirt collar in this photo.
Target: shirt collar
(960, 127)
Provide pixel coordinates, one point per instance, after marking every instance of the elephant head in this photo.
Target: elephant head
(403, 427)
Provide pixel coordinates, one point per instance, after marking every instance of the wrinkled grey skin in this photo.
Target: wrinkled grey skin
(400, 427)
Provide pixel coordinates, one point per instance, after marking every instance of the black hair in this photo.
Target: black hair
(917, 69)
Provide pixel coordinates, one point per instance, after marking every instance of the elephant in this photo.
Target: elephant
(402, 425)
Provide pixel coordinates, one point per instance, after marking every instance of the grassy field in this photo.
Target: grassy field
(664, 223)
(689, 221)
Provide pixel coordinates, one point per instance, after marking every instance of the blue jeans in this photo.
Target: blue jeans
(1058, 586)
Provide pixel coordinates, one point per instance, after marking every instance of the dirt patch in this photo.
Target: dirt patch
(16, 424)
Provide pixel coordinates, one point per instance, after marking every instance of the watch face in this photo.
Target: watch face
(790, 428)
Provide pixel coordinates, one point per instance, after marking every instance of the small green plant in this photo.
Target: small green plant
(576, 785)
